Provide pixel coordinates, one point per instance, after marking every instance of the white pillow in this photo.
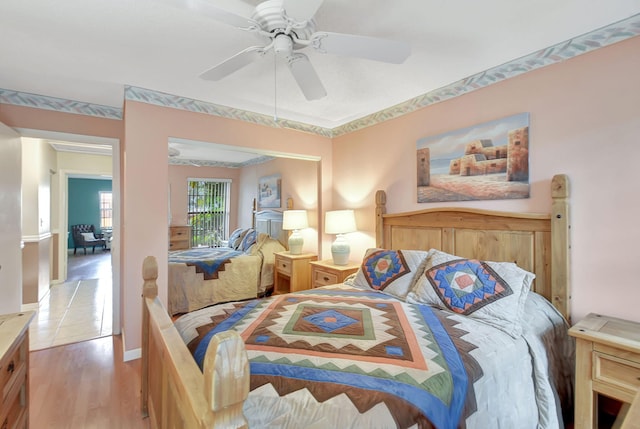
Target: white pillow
(88, 236)
(494, 292)
(392, 272)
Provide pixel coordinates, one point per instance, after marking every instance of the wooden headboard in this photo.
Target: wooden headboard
(538, 243)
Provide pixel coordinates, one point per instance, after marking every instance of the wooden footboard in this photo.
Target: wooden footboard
(175, 393)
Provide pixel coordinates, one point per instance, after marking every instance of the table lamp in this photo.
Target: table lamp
(295, 220)
(340, 222)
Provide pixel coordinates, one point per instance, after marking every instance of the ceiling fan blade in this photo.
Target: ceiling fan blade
(301, 10)
(351, 45)
(236, 62)
(306, 76)
(206, 8)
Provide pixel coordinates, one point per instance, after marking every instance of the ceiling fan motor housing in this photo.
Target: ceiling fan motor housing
(269, 15)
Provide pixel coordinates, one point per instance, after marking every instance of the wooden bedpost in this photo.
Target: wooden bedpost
(381, 209)
(149, 290)
(226, 378)
(254, 210)
(561, 245)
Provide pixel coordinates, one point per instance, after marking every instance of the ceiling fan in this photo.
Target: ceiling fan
(287, 27)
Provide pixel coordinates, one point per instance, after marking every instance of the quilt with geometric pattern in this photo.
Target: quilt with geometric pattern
(207, 260)
(341, 357)
(356, 343)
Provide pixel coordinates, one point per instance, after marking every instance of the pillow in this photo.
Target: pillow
(238, 241)
(235, 237)
(392, 272)
(494, 292)
(247, 240)
(88, 236)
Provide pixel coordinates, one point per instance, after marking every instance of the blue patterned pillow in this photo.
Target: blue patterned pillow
(390, 271)
(235, 237)
(494, 292)
(248, 240)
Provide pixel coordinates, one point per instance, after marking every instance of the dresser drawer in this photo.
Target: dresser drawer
(323, 278)
(179, 237)
(178, 233)
(283, 266)
(16, 411)
(178, 245)
(12, 369)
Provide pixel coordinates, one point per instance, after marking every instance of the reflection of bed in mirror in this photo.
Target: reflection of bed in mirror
(200, 277)
(378, 354)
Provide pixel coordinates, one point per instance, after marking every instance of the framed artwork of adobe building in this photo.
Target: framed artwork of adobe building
(269, 190)
(489, 161)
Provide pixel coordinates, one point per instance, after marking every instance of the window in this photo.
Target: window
(106, 210)
(208, 211)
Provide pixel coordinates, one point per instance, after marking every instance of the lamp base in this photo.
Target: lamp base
(340, 250)
(295, 242)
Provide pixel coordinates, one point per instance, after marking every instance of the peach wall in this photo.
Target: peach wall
(47, 120)
(584, 121)
(10, 220)
(299, 182)
(145, 177)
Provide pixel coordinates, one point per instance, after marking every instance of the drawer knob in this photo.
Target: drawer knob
(325, 278)
(11, 367)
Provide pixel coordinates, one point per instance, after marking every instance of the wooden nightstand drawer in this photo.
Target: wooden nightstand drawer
(324, 273)
(323, 278)
(620, 374)
(284, 267)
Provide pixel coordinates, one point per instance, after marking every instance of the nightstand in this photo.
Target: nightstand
(325, 272)
(607, 363)
(292, 272)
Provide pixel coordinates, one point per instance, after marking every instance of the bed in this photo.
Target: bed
(244, 269)
(246, 379)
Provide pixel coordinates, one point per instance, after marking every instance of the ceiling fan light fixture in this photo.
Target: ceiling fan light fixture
(282, 45)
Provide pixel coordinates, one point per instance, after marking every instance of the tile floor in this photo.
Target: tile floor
(78, 310)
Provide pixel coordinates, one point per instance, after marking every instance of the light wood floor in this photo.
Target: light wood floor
(85, 385)
(82, 385)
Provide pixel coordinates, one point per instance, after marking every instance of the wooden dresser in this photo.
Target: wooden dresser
(179, 237)
(14, 369)
(607, 363)
(325, 272)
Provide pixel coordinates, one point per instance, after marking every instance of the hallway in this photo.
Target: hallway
(79, 309)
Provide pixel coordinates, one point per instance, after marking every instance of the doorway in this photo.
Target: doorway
(68, 301)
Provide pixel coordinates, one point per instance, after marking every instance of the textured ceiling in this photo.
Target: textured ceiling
(90, 50)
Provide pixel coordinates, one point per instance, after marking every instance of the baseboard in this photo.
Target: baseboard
(131, 355)
(32, 306)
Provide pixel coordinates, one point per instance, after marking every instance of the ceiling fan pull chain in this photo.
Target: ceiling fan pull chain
(275, 88)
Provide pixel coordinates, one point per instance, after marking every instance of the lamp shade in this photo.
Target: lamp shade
(294, 219)
(339, 222)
